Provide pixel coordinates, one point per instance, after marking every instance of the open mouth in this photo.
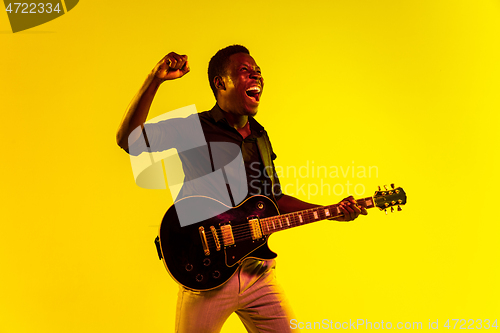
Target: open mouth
(254, 93)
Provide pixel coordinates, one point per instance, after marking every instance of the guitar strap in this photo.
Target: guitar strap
(264, 146)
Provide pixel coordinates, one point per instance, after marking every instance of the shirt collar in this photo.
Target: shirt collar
(218, 115)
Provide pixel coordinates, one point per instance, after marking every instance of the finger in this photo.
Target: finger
(347, 212)
(182, 61)
(185, 69)
(167, 63)
(352, 212)
(172, 64)
(178, 61)
(351, 199)
(343, 213)
(356, 209)
(171, 60)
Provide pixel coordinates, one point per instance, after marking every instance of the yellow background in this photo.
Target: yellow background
(410, 87)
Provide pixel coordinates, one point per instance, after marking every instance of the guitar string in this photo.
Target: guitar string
(266, 222)
(306, 213)
(243, 231)
(240, 237)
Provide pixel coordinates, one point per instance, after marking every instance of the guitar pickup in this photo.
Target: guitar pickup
(227, 234)
(255, 229)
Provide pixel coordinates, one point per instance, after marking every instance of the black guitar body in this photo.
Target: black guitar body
(204, 255)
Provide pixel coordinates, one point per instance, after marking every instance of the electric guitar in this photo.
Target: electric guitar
(204, 255)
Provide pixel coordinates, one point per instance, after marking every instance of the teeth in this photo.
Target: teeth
(254, 88)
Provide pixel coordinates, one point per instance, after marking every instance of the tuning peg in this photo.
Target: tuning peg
(392, 185)
(385, 186)
(379, 188)
(399, 208)
(392, 209)
(385, 210)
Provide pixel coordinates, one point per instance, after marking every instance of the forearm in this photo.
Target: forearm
(289, 204)
(137, 111)
(171, 67)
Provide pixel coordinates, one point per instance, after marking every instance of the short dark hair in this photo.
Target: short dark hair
(219, 62)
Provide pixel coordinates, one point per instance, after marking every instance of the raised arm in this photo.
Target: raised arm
(172, 66)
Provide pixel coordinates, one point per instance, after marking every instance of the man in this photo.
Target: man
(237, 83)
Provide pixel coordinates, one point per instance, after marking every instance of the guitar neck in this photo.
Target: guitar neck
(273, 224)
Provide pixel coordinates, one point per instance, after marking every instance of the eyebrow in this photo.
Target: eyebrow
(248, 65)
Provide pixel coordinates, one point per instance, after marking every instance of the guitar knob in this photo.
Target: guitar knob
(199, 278)
(216, 274)
(189, 267)
(206, 262)
(260, 205)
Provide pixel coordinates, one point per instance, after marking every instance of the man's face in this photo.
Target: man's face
(244, 83)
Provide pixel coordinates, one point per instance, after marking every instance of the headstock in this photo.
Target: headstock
(389, 198)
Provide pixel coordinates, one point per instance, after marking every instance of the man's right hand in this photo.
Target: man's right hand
(172, 66)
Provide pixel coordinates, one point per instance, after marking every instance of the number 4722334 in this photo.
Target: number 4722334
(32, 8)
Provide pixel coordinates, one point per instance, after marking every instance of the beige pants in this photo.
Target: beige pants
(252, 292)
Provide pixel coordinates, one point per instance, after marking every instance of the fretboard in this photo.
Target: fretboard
(295, 219)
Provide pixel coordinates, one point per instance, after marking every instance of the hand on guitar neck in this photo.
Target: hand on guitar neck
(350, 209)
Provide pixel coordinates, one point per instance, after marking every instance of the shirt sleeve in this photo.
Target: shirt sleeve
(180, 133)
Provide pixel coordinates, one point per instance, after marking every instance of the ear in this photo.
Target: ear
(219, 83)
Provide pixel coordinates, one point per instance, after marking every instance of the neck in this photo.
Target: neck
(236, 121)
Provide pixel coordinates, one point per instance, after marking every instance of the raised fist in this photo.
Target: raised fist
(172, 66)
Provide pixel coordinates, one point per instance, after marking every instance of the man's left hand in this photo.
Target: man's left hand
(350, 209)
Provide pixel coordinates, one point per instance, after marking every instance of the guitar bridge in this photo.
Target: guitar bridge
(227, 234)
(255, 229)
(216, 238)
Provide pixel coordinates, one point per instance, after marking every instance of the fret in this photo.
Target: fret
(290, 220)
(368, 202)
